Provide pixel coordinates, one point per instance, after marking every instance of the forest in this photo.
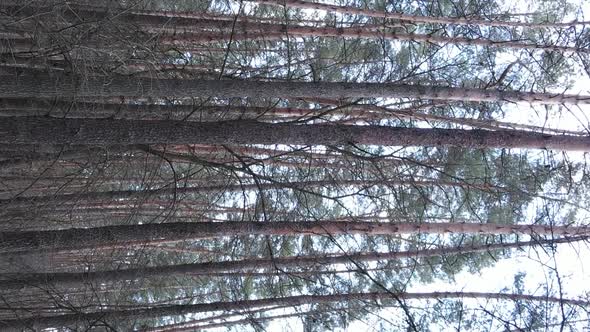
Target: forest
(294, 165)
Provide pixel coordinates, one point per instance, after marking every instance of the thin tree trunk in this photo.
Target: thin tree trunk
(279, 31)
(412, 18)
(77, 198)
(293, 301)
(418, 114)
(10, 281)
(65, 86)
(204, 324)
(77, 238)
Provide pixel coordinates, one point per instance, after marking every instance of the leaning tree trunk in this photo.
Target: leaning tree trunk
(125, 235)
(69, 320)
(65, 86)
(11, 281)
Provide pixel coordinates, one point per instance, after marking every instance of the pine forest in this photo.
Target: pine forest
(294, 165)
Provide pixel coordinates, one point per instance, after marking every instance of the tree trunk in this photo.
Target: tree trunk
(292, 301)
(412, 18)
(122, 235)
(248, 29)
(58, 109)
(66, 86)
(11, 281)
(280, 31)
(353, 114)
(170, 17)
(78, 198)
(44, 130)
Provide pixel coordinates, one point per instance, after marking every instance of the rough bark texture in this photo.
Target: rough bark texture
(80, 238)
(61, 109)
(61, 85)
(180, 310)
(43, 130)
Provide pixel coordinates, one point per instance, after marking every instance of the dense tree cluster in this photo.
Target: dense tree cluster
(189, 165)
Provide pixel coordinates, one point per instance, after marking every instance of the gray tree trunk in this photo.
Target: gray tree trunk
(59, 85)
(43, 130)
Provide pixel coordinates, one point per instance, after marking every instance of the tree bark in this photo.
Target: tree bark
(104, 132)
(279, 31)
(58, 109)
(293, 301)
(175, 18)
(412, 18)
(12, 281)
(80, 238)
(166, 29)
(78, 198)
(67, 86)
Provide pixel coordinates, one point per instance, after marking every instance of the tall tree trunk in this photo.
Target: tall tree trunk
(175, 18)
(252, 29)
(44, 130)
(292, 301)
(412, 18)
(59, 86)
(122, 235)
(78, 198)
(9, 281)
(280, 31)
(58, 109)
(354, 114)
